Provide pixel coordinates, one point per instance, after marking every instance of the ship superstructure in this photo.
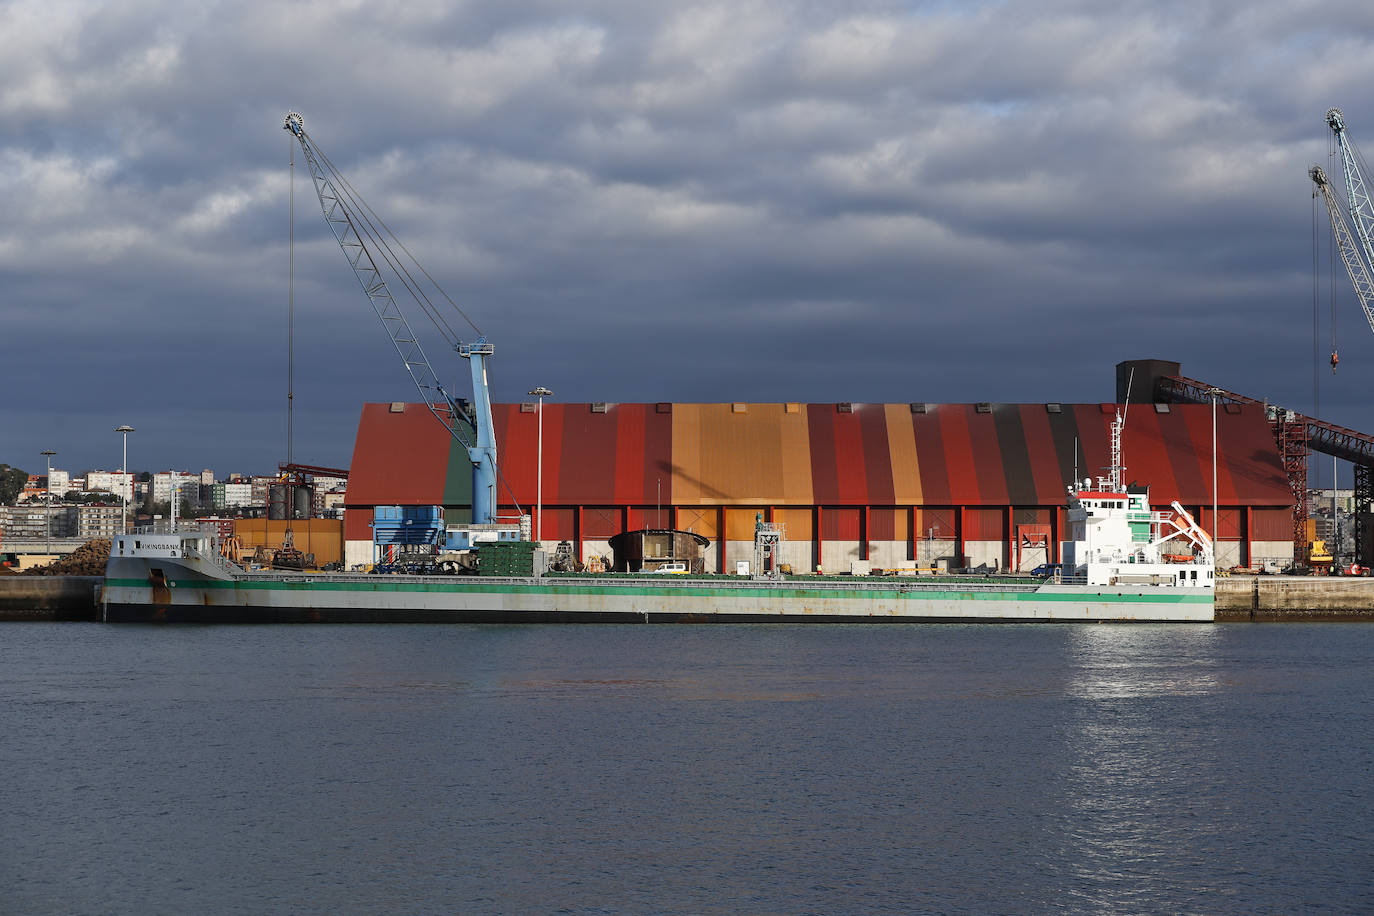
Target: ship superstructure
(1117, 539)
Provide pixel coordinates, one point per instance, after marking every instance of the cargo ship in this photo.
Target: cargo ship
(1124, 562)
(1118, 565)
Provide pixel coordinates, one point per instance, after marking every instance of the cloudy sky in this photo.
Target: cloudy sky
(757, 201)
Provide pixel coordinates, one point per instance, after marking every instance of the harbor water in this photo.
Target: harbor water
(664, 769)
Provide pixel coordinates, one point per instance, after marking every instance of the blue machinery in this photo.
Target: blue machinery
(398, 530)
(413, 533)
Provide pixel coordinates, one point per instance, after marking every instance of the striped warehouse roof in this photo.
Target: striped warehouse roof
(820, 454)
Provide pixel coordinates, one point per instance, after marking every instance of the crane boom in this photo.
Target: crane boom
(357, 238)
(1356, 192)
(1340, 229)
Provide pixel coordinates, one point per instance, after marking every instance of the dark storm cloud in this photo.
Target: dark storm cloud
(745, 201)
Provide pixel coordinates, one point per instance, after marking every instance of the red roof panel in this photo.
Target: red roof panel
(398, 458)
(1011, 454)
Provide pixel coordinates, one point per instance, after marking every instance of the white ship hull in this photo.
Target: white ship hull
(151, 587)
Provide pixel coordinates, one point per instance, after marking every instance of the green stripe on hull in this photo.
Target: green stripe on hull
(362, 588)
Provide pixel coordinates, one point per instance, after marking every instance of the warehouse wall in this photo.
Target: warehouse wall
(848, 481)
(357, 553)
(800, 555)
(597, 548)
(1228, 554)
(837, 555)
(888, 554)
(321, 536)
(985, 553)
(1279, 552)
(929, 553)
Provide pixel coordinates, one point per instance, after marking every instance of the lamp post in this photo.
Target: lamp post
(540, 393)
(47, 510)
(123, 470)
(1214, 392)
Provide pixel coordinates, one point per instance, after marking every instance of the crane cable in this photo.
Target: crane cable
(373, 215)
(1331, 279)
(1316, 312)
(364, 217)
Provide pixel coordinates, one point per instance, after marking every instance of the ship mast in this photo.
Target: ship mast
(1116, 479)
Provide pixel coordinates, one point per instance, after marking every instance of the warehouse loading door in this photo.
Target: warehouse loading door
(1032, 547)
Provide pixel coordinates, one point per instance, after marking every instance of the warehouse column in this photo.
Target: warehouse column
(959, 537)
(1056, 534)
(577, 531)
(817, 540)
(911, 533)
(720, 539)
(1249, 558)
(863, 534)
(1012, 551)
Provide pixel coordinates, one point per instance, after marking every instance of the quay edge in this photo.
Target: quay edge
(1294, 598)
(50, 598)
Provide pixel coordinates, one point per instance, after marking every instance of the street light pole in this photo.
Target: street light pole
(1214, 392)
(124, 470)
(47, 510)
(541, 392)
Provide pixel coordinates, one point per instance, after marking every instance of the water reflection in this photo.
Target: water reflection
(1110, 661)
(895, 769)
(1134, 786)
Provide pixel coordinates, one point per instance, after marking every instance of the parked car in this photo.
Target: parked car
(679, 569)
(1045, 570)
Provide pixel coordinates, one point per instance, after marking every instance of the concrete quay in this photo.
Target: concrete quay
(1274, 598)
(50, 598)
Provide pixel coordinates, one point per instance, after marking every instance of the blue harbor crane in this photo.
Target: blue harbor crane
(366, 240)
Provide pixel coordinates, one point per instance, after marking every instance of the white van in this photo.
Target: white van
(679, 569)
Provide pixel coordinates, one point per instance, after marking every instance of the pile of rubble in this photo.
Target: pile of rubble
(87, 560)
